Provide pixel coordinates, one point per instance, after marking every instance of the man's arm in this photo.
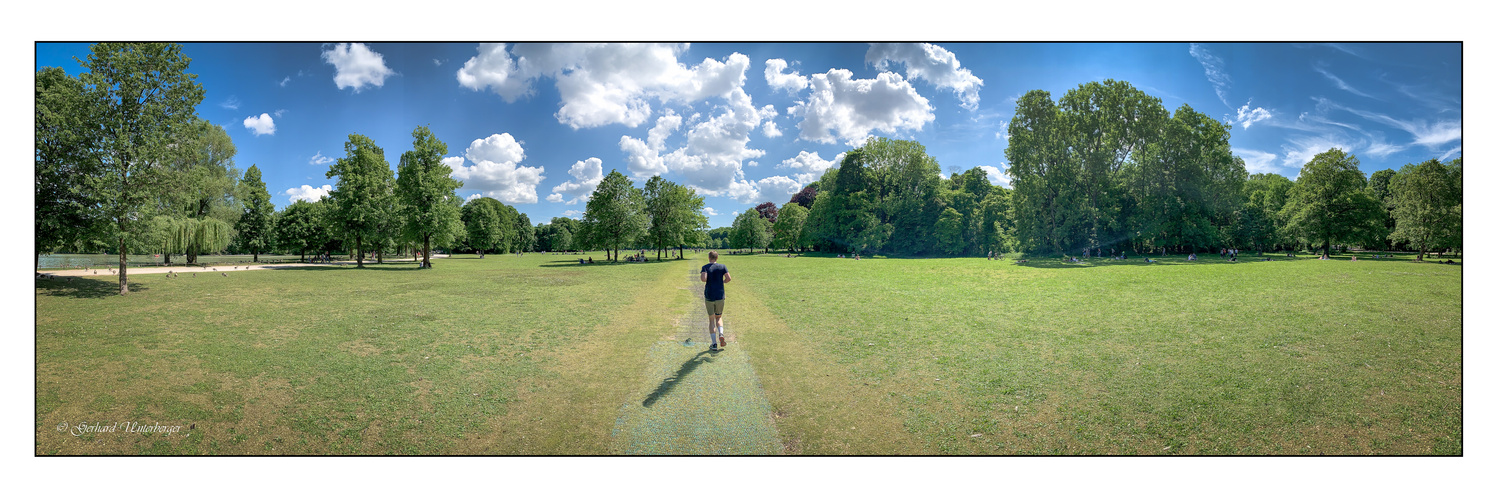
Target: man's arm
(703, 277)
(726, 277)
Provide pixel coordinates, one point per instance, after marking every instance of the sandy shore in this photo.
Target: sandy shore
(227, 268)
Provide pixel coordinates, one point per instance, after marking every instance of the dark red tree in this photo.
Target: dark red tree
(806, 196)
(767, 211)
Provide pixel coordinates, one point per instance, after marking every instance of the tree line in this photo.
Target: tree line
(123, 164)
(1106, 169)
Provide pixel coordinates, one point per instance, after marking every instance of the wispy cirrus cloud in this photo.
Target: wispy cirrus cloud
(1339, 82)
(319, 159)
(1213, 68)
(1258, 162)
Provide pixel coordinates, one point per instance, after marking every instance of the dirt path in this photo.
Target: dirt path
(694, 401)
(207, 268)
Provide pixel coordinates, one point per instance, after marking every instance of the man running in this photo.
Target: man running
(715, 275)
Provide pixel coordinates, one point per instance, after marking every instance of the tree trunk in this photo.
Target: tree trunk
(427, 251)
(304, 255)
(359, 252)
(255, 257)
(379, 255)
(124, 285)
(166, 258)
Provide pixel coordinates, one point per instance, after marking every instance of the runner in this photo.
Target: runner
(715, 275)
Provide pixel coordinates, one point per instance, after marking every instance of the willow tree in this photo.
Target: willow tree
(192, 236)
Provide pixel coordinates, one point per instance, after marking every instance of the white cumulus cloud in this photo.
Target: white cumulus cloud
(356, 66)
(1246, 116)
(643, 158)
(261, 125)
(308, 193)
(586, 176)
(809, 165)
(790, 83)
(495, 170)
(712, 158)
(709, 211)
(602, 84)
(934, 64)
(843, 108)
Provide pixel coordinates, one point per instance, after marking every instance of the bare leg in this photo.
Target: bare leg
(713, 330)
(719, 327)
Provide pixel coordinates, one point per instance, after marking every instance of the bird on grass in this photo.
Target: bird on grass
(226, 275)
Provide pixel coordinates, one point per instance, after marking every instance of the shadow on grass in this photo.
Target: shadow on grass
(389, 266)
(670, 382)
(1053, 263)
(84, 288)
(574, 263)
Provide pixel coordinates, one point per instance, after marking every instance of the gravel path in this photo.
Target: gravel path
(697, 402)
(210, 268)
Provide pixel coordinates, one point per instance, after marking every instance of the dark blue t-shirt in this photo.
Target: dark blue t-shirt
(715, 288)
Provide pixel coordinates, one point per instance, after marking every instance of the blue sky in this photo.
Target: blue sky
(537, 125)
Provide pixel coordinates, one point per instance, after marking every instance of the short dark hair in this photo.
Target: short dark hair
(713, 256)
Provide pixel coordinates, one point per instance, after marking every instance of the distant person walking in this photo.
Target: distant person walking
(715, 275)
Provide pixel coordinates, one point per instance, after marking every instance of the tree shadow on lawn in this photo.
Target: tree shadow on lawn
(85, 288)
(389, 266)
(1053, 263)
(670, 382)
(574, 263)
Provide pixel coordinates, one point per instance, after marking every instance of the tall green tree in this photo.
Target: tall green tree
(302, 227)
(674, 213)
(788, 227)
(256, 226)
(140, 96)
(1329, 203)
(615, 215)
(1046, 200)
(64, 135)
(426, 189)
(1104, 124)
(1260, 226)
(361, 200)
(950, 232)
(482, 224)
(1426, 202)
(525, 233)
(750, 231)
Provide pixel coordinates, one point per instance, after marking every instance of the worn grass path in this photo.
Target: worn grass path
(695, 401)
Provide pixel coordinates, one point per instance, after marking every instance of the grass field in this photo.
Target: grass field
(536, 355)
(990, 357)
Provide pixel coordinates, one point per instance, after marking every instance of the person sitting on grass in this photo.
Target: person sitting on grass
(1192, 256)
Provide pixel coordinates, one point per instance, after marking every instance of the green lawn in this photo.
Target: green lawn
(537, 355)
(991, 357)
(389, 359)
